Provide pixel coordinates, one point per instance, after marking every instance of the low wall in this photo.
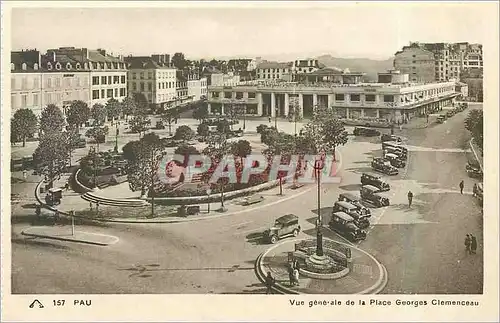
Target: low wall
(189, 200)
(77, 185)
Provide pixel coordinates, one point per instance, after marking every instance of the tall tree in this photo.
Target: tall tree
(143, 168)
(201, 112)
(98, 113)
(72, 140)
(474, 123)
(234, 112)
(51, 155)
(141, 102)
(129, 107)
(52, 119)
(169, 117)
(241, 148)
(139, 124)
(184, 133)
(326, 131)
(78, 113)
(179, 61)
(295, 113)
(113, 108)
(98, 134)
(23, 125)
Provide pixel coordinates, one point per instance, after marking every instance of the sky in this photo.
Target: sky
(275, 30)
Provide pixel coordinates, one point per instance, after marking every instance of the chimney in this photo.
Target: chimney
(101, 51)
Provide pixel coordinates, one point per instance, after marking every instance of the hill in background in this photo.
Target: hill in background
(369, 66)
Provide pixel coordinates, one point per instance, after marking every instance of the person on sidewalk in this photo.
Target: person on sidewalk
(461, 187)
(290, 275)
(25, 174)
(296, 276)
(473, 244)
(410, 198)
(467, 243)
(270, 281)
(66, 186)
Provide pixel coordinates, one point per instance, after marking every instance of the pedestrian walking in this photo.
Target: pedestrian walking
(467, 244)
(461, 187)
(25, 174)
(91, 206)
(269, 283)
(296, 276)
(66, 186)
(290, 275)
(410, 198)
(427, 118)
(473, 244)
(270, 120)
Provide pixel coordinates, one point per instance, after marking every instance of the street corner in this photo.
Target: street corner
(65, 234)
(362, 273)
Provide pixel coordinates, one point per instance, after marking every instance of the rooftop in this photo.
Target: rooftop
(274, 65)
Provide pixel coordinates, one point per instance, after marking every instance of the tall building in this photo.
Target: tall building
(26, 81)
(108, 74)
(154, 78)
(274, 71)
(428, 62)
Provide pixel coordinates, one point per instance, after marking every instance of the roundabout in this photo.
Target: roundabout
(342, 269)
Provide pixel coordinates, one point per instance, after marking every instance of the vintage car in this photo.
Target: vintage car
(387, 137)
(441, 119)
(368, 132)
(356, 201)
(374, 180)
(397, 148)
(474, 170)
(283, 226)
(53, 196)
(450, 113)
(159, 125)
(477, 191)
(373, 195)
(380, 165)
(361, 220)
(345, 225)
(395, 160)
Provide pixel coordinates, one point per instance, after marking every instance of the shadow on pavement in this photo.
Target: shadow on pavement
(38, 243)
(359, 170)
(255, 238)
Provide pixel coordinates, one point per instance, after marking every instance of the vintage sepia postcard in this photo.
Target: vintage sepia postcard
(249, 161)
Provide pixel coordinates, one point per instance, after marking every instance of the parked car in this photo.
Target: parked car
(361, 220)
(344, 224)
(356, 201)
(387, 137)
(397, 148)
(374, 180)
(368, 132)
(159, 125)
(283, 226)
(380, 165)
(441, 119)
(474, 170)
(395, 160)
(450, 113)
(373, 195)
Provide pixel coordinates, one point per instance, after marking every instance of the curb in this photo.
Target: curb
(65, 239)
(374, 289)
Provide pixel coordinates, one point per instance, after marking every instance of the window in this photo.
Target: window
(104, 80)
(413, 62)
(134, 87)
(413, 56)
(95, 94)
(49, 82)
(134, 75)
(12, 66)
(123, 79)
(150, 86)
(109, 79)
(227, 95)
(370, 97)
(58, 66)
(110, 93)
(49, 66)
(150, 75)
(116, 79)
(103, 94)
(58, 82)
(142, 87)
(24, 66)
(78, 66)
(122, 91)
(116, 93)
(24, 83)
(68, 66)
(413, 67)
(251, 95)
(239, 95)
(339, 97)
(355, 97)
(35, 83)
(24, 101)
(142, 75)
(388, 98)
(215, 94)
(35, 99)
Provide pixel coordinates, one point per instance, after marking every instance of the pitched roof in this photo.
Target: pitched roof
(29, 57)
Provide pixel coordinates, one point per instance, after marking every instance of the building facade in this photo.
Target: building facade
(274, 71)
(26, 81)
(197, 89)
(448, 60)
(377, 100)
(305, 66)
(154, 79)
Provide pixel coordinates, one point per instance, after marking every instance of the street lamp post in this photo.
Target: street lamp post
(276, 118)
(116, 138)
(281, 184)
(318, 166)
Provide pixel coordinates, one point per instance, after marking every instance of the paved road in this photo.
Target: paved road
(421, 248)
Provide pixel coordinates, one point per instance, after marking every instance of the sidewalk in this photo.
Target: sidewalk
(64, 233)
